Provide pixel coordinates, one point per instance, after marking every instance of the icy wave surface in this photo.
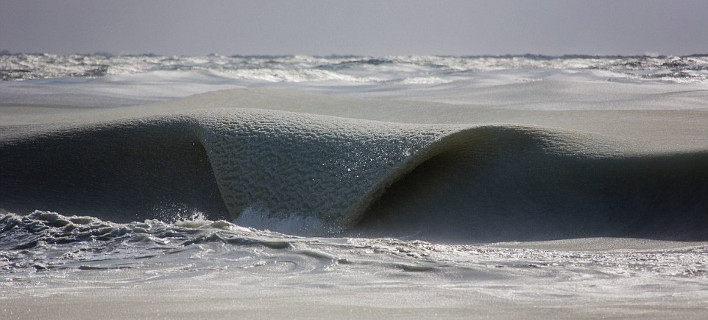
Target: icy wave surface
(453, 182)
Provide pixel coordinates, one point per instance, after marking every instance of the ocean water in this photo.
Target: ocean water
(148, 186)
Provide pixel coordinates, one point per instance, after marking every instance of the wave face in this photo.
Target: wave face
(502, 183)
(448, 182)
(123, 172)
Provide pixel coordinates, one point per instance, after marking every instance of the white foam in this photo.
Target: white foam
(260, 217)
(138, 79)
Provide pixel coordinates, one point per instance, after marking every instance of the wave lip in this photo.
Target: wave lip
(296, 164)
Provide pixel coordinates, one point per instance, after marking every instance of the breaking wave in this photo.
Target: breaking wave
(312, 174)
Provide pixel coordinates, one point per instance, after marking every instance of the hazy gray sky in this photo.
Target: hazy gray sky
(355, 27)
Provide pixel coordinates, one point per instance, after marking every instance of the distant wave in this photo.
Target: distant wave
(461, 183)
(348, 69)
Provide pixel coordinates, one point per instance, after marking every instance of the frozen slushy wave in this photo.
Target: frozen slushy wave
(457, 182)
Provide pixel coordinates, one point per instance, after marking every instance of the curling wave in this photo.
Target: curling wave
(332, 175)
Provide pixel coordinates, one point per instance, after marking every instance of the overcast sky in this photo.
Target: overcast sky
(454, 27)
